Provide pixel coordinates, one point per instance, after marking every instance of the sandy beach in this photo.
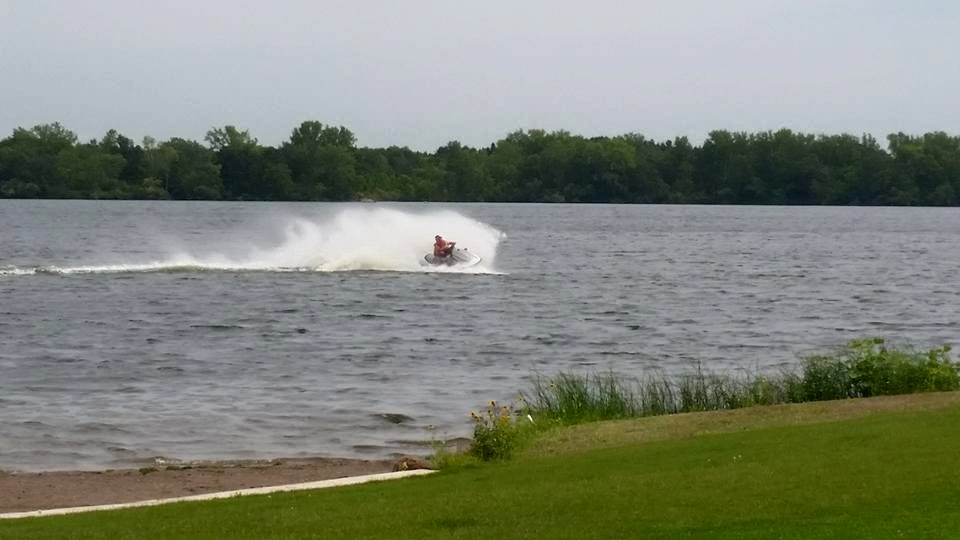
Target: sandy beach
(59, 489)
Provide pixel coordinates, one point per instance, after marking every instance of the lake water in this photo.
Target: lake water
(189, 330)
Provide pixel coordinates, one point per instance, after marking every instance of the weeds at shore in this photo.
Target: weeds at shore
(862, 368)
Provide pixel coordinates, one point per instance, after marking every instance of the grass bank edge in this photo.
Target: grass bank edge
(861, 368)
(820, 480)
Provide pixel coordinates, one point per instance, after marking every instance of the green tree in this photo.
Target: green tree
(240, 159)
(321, 162)
(133, 156)
(313, 133)
(28, 162)
(193, 171)
(86, 170)
(465, 178)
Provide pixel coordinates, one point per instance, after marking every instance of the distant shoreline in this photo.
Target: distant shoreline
(323, 163)
(493, 203)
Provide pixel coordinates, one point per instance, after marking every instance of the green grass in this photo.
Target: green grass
(878, 468)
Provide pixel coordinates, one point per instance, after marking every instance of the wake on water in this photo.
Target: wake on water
(382, 239)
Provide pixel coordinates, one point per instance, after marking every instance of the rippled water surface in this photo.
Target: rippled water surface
(131, 330)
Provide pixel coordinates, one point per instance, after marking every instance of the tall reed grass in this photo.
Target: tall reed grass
(862, 368)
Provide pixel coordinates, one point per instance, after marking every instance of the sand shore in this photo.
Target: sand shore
(58, 489)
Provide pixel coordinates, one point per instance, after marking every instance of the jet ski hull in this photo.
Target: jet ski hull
(459, 257)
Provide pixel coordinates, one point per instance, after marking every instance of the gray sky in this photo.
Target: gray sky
(421, 73)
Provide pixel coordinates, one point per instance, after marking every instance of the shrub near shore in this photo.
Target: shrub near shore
(863, 368)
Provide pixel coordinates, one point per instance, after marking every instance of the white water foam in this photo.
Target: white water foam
(14, 271)
(354, 238)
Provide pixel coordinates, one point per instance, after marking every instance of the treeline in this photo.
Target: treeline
(323, 163)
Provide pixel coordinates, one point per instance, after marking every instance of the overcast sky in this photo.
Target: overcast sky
(421, 73)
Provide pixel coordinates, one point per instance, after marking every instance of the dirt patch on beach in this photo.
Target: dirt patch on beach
(60, 489)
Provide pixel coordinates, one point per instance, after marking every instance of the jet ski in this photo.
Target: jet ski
(457, 257)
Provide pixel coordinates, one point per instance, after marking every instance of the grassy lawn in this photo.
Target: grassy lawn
(878, 468)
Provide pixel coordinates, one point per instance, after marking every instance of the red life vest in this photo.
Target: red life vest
(438, 247)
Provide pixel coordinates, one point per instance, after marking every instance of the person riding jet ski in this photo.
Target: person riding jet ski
(442, 248)
(446, 254)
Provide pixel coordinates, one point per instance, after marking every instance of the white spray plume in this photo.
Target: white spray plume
(355, 238)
